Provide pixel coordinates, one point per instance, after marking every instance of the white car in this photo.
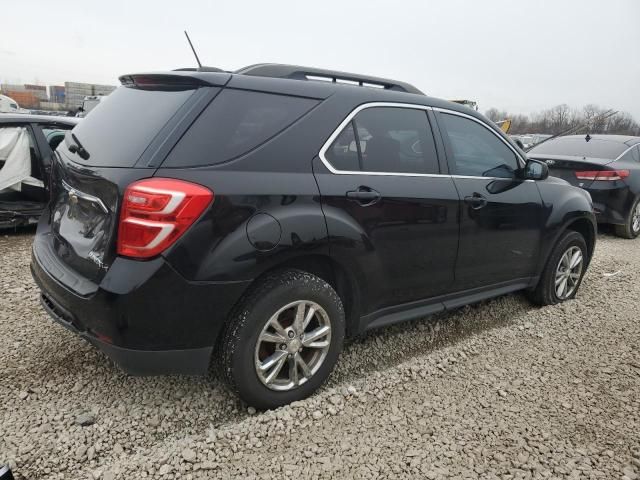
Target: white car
(8, 105)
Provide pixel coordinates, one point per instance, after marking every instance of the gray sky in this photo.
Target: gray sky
(521, 56)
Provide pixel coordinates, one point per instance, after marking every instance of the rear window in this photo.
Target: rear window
(120, 128)
(235, 123)
(579, 147)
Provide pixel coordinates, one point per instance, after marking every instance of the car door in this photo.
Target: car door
(391, 215)
(48, 135)
(501, 215)
(20, 159)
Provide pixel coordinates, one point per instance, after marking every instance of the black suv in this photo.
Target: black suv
(265, 214)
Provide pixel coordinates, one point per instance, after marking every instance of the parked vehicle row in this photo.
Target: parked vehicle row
(529, 140)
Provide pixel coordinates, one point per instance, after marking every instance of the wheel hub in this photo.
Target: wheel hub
(293, 345)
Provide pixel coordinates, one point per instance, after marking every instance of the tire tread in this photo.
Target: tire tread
(543, 294)
(239, 315)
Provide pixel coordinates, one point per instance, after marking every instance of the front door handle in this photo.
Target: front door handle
(365, 196)
(476, 201)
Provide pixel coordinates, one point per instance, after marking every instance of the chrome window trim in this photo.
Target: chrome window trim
(348, 119)
(364, 106)
(626, 151)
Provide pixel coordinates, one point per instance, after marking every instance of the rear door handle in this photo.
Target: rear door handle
(365, 196)
(476, 201)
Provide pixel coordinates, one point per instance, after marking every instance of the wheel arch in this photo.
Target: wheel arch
(588, 231)
(332, 272)
(582, 224)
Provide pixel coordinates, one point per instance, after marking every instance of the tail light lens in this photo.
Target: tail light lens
(606, 175)
(156, 212)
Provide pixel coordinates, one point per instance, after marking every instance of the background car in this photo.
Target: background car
(608, 167)
(26, 145)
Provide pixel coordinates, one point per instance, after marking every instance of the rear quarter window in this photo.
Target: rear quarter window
(235, 123)
(632, 155)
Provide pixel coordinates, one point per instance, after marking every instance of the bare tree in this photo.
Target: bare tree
(496, 115)
(622, 123)
(593, 115)
(562, 117)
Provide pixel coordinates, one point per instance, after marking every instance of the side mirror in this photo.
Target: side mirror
(535, 170)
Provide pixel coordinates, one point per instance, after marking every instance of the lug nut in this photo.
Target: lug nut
(291, 334)
(283, 347)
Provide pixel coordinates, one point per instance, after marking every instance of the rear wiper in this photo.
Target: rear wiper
(78, 148)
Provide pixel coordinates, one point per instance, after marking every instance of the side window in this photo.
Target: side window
(343, 153)
(476, 151)
(236, 122)
(390, 140)
(633, 155)
(54, 134)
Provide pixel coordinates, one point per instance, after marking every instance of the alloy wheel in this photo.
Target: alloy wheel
(568, 272)
(635, 219)
(292, 345)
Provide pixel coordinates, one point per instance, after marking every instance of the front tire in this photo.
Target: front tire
(631, 227)
(283, 340)
(564, 271)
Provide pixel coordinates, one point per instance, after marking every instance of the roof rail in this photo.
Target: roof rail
(309, 73)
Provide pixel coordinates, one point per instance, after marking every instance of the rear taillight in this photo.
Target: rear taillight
(156, 212)
(606, 175)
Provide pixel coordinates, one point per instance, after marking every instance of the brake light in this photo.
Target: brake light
(156, 212)
(606, 175)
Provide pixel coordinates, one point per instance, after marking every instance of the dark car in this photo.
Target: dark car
(608, 167)
(265, 214)
(26, 146)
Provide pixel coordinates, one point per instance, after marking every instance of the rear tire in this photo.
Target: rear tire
(631, 227)
(268, 359)
(559, 273)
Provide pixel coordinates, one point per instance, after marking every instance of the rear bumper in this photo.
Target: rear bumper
(137, 362)
(143, 315)
(612, 205)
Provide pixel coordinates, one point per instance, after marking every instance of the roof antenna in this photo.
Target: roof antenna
(193, 49)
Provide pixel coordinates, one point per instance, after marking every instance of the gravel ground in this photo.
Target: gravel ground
(497, 390)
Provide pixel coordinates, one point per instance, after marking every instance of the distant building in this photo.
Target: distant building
(57, 94)
(14, 87)
(75, 92)
(24, 98)
(39, 91)
(56, 97)
(27, 96)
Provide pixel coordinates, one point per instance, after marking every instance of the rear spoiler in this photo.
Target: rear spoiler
(178, 79)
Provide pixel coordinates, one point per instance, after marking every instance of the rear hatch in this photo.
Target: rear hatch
(565, 167)
(123, 140)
